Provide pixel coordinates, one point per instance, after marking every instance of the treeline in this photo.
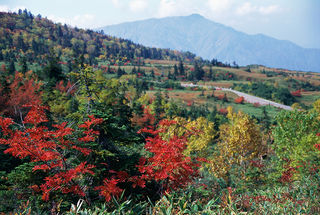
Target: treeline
(267, 91)
(23, 35)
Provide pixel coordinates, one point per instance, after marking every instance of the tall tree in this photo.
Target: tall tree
(181, 68)
(240, 141)
(53, 71)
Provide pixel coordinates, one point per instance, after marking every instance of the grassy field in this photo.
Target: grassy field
(196, 97)
(308, 98)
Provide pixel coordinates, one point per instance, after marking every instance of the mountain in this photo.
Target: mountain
(209, 40)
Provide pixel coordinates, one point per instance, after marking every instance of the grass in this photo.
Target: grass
(187, 96)
(308, 98)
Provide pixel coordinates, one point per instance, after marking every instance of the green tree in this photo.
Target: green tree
(53, 71)
(24, 66)
(294, 138)
(158, 106)
(11, 67)
(181, 68)
(175, 72)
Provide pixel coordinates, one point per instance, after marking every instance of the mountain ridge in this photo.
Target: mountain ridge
(209, 39)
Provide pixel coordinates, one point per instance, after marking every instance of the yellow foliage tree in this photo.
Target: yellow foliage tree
(200, 134)
(240, 141)
(316, 106)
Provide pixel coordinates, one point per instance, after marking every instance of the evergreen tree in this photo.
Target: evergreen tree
(134, 71)
(265, 120)
(176, 72)
(198, 71)
(181, 68)
(158, 108)
(24, 65)
(11, 68)
(210, 74)
(53, 71)
(120, 72)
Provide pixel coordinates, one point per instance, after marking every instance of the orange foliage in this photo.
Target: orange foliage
(146, 119)
(69, 88)
(239, 100)
(24, 89)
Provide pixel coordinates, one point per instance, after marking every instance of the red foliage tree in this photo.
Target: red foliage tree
(167, 165)
(24, 89)
(146, 119)
(223, 111)
(51, 150)
(69, 88)
(239, 100)
(296, 93)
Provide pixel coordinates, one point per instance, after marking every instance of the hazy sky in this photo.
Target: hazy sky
(294, 20)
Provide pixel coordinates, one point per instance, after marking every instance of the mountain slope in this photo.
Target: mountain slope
(33, 38)
(210, 40)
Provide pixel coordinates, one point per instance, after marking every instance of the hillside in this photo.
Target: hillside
(209, 40)
(33, 38)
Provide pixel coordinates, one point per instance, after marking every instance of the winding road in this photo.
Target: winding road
(248, 98)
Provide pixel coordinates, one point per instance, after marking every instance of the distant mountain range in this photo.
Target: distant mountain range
(209, 40)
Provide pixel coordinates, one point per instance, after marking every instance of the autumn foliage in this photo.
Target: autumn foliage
(296, 93)
(239, 100)
(168, 164)
(240, 142)
(50, 150)
(23, 89)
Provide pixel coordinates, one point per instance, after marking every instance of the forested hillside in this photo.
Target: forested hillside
(94, 124)
(32, 37)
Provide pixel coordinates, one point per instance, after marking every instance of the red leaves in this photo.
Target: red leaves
(36, 115)
(223, 111)
(48, 148)
(4, 124)
(63, 181)
(296, 93)
(168, 164)
(109, 188)
(23, 90)
(239, 100)
(287, 175)
(137, 181)
(90, 133)
(146, 119)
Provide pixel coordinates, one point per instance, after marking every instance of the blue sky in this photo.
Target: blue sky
(294, 20)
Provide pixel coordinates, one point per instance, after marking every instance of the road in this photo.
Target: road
(248, 98)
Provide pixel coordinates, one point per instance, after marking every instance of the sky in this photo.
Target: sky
(294, 20)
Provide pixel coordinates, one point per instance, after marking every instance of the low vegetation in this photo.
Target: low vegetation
(92, 124)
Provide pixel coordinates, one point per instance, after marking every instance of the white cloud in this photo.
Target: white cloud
(83, 21)
(219, 5)
(269, 9)
(179, 8)
(6, 8)
(167, 8)
(248, 8)
(138, 5)
(116, 3)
